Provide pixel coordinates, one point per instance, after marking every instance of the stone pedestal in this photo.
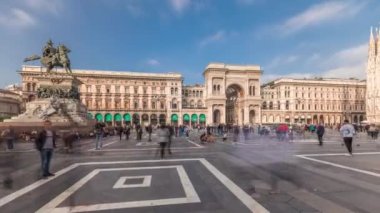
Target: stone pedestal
(58, 101)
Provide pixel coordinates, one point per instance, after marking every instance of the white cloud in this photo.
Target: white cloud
(319, 13)
(51, 6)
(17, 18)
(281, 61)
(153, 62)
(218, 36)
(179, 5)
(346, 63)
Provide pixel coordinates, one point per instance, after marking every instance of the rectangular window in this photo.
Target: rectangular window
(117, 89)
(126, 88)
(144, 90)
(136, 90)
(153, 105)
(98, 89)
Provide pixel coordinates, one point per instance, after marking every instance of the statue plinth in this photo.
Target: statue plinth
(57, 101)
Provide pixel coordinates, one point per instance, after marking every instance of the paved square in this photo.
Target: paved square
(101, 186)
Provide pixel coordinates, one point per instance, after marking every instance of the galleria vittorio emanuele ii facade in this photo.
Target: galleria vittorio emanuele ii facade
(231, 94)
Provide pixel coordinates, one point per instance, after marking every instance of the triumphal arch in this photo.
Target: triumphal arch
(232, 94)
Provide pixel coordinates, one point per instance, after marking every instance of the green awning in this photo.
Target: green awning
(202, 118)
(90, 116)
(194, 117)
(174, 117)
(186, 117)
(99, 117)
(117, 117)
(127, 117)
(108, 118)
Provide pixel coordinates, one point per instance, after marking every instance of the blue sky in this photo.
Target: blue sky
(294, 38)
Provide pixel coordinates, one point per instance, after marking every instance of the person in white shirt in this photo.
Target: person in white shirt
(347, 131)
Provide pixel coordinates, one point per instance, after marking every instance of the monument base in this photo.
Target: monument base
(60, 111)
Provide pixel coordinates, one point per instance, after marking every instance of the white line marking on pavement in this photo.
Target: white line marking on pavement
(105, 145)
(192, 142)
(18, 193)
(143, 149)
(252, 204)
(340, 154)
(120, 184)
(191, 195)
(247, 200)
(339, 165)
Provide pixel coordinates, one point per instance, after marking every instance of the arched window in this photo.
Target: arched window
(264, 105)
(271, 105)
(199, 104)
(176, 91)
(192, 103)
(172, 91)
(174, 103)
(287, 105)
(184, 103)
(136, 105)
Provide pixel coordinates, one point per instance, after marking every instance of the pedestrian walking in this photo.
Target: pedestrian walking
(45, 144)
(149, 129)
(347, 131)
(9, 136)
(163, 137)
(170, 138)
(120, 131)
(127, 132)
(320, 133)
(99, 132)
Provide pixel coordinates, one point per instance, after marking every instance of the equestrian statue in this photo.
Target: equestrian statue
(53, 57)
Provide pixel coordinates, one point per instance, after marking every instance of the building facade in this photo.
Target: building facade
(307, 101)
(231, 94)
(10, 104)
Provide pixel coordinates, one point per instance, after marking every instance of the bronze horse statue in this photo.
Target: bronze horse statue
(53, 57)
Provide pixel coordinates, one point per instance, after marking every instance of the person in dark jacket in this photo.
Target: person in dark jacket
(320, 133)
(45, 144)
(127, 132)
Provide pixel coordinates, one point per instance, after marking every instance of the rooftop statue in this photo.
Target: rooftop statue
(53, 57)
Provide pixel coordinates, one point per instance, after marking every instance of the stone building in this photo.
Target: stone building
(10, 104)
(373, 78)
(231, 94)
(316, 100)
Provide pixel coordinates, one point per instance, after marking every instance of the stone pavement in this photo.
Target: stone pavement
(258, 175)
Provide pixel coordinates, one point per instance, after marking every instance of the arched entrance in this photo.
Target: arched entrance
(153, 119)
(174, 119)
(136, 118)
(127, 118)
(252, 116)
(194, 120)
(216, 116)
(202, 119)
(99, 117)
(234, 105)
(162, 119)
(145, 119)
(186, 119)
(90, 116)
(117, 119)
(108, 118)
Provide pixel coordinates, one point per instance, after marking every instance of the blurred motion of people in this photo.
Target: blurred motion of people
(99, 132)
(163, 138)
(320, 133)
(347, 131)
(9, 137)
